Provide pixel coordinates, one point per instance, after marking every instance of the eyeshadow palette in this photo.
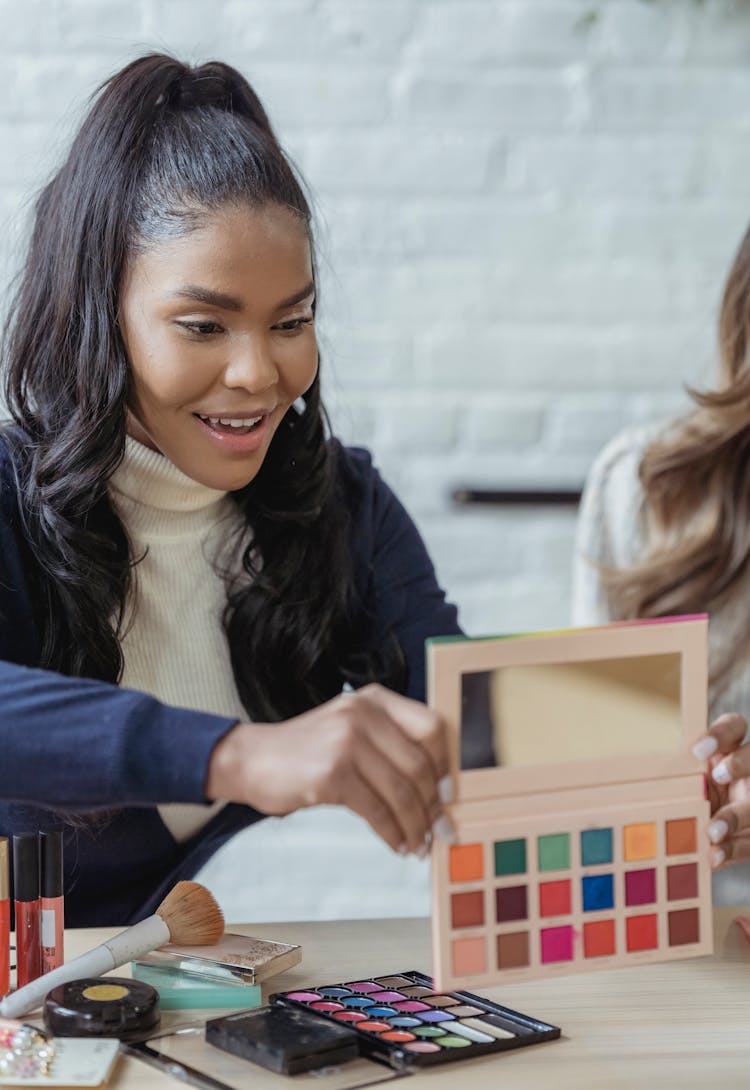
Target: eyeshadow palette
(401, 1020)
(578, 816)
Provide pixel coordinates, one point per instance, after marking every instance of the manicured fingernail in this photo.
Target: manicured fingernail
(445, 789)
(706, 747)
(403, 849)
(443, 829)
(717, 830)
(721, 773)
(422, 851)
(718, 855)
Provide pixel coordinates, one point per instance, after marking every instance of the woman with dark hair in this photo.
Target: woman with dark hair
(664, 529)
(190, 571)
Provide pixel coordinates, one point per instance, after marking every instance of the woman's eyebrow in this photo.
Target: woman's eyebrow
(198, 294)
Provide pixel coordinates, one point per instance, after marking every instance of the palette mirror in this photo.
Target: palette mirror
(554, 713)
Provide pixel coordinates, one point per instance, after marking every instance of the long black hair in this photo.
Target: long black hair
(163, 144)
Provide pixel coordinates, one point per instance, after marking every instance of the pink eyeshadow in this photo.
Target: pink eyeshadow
(557, 944)
(364, 986)
(386, 997)
(411, 1005)
(469, 957)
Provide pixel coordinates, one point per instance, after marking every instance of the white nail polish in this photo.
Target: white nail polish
(717, 830)
(422, 851)
(718, 855)
(706, 747)
(403, 849)
(445, 789)
(443, 829)
(721, 773)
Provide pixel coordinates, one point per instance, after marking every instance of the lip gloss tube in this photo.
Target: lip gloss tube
(4, 918)
(51, 858)
(26, 900)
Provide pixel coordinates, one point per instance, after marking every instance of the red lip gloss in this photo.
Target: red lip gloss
(4, 918)
(26, 899)
(51, 857)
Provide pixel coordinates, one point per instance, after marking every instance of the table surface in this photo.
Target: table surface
(682, 1023)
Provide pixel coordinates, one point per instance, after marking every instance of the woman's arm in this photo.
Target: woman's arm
(76, 744)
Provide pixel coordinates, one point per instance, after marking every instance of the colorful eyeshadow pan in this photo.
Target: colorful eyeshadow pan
(640, 887)
(598, 938)
(557, 944)
(470, 1025)
(386, 997)
(513, 950)
(597, 892)
(554, 898)
(639, 842)
(510, 857)
(466, 862)
(554, 852)
(682, 881)
(681, 837)
(467, 909)
(364, 986)
(596, 847)
(511, 903)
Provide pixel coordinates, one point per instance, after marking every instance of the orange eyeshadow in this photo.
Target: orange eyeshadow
(681, 837)
(466, 863)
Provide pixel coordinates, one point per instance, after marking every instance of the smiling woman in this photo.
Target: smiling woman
(191, 568)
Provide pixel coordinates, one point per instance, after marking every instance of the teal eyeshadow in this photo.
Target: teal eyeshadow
(596, 847)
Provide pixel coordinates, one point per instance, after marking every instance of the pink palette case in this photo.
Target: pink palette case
(579, 808)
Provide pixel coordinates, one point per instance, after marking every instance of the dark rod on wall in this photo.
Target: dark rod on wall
(516, 497)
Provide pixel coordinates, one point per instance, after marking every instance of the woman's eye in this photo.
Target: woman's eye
(293, 325)
(200, 329)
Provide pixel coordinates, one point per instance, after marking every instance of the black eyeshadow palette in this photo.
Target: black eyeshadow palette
(401, 1020)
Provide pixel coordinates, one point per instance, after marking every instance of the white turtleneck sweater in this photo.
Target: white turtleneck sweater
(174, 646)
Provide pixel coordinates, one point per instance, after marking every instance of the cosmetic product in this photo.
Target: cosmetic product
(29, 1058)
(26, 903)
(283, 1039)
(4, 917)
(115, 1007)
(578, 803)
(188, 912)
(400, 1018)
(52, 912)
(186, 991)
(240, 958)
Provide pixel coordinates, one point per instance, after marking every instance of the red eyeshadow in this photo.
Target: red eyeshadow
(683, 926)
(598, 938)
(682, 881)
(554, 898)
(467, 909)
(641, 933)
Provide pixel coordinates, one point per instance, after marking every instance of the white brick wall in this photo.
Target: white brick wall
(527, 208)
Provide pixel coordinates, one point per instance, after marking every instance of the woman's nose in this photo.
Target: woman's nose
(251, 366)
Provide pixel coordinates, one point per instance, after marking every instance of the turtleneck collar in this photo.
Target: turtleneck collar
(152, 494)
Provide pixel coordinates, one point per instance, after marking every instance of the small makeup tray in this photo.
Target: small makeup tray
(578, 805)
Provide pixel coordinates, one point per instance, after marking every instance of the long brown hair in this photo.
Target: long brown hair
(696, 484)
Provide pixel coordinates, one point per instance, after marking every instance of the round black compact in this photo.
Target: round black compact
(102, 1007)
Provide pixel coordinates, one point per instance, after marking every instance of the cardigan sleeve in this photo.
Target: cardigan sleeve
(403, 597)
(71, 743)
(610, 529)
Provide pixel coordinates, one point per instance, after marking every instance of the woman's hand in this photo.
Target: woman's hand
(381, 754)
(728, 782)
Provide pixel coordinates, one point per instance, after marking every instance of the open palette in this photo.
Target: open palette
(400, 1019)
(579, 808)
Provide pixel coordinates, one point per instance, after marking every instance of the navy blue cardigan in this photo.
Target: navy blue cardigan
(73, 746)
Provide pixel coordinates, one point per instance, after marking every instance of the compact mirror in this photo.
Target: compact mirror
(556, 713)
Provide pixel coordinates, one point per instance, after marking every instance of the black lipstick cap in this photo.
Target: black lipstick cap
(25, 867)
(51, 863)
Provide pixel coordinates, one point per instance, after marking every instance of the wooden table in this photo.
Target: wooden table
(681, 1024)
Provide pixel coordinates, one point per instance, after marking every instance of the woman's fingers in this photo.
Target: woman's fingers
(421, 723)
(398, 792)
(724, 735)
(729, 833)
(379, 816)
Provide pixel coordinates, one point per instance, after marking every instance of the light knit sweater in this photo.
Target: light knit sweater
(612, 530)
(175, 647)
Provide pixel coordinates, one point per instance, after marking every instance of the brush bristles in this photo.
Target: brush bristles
(192, 915)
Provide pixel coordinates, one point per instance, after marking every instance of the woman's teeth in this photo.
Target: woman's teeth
(230, 422)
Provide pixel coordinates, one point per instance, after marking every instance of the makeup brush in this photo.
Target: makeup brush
(188, 915)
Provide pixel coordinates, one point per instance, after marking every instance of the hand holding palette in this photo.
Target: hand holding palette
(578, 801)
(401, 1020)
